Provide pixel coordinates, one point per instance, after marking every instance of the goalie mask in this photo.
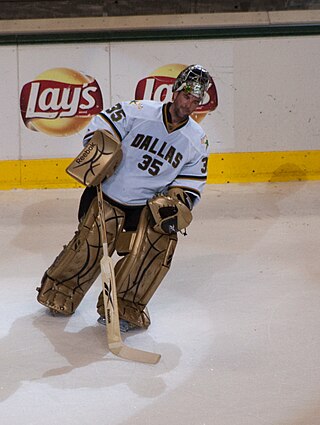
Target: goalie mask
(194, 80)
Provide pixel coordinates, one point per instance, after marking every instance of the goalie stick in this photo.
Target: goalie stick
(109, 289)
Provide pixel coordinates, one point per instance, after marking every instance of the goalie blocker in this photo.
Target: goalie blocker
(97, 160)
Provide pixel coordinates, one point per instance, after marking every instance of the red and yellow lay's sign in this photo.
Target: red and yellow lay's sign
(158, 86)
(60, 102)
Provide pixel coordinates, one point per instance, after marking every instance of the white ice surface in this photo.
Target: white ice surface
(236, 319)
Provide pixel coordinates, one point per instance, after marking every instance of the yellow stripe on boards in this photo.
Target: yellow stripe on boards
(36, 174)
(247, 167)
(244, 167)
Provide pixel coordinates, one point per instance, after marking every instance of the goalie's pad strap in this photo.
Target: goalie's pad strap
(97, 160)
(73, 272)
(140, 272)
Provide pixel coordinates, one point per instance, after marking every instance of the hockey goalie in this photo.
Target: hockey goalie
(150, 159)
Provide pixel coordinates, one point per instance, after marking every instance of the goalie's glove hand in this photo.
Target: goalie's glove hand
(170, 215)
(169, 220)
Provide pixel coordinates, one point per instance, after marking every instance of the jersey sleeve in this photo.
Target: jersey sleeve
(114, 120)
(193, 176)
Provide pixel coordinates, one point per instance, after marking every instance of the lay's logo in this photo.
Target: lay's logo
(158, 86)
(60, 102)
(155, 88)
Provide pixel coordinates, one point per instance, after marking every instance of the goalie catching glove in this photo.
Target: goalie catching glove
(171, 213)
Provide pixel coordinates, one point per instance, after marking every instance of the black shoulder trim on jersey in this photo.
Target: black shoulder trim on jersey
(107, 119)
(167, 119)
(204, 178)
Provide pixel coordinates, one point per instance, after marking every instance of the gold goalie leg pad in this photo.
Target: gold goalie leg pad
(73, 272)
(141, 271)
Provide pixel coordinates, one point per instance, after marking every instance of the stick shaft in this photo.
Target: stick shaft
(109, 288)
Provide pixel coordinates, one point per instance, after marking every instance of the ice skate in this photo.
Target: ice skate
(124, 325)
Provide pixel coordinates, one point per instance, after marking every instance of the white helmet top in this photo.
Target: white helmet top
(194, 80)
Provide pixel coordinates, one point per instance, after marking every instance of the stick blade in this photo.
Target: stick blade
(128, 353)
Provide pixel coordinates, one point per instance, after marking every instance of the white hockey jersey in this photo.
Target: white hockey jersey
(155, 155)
